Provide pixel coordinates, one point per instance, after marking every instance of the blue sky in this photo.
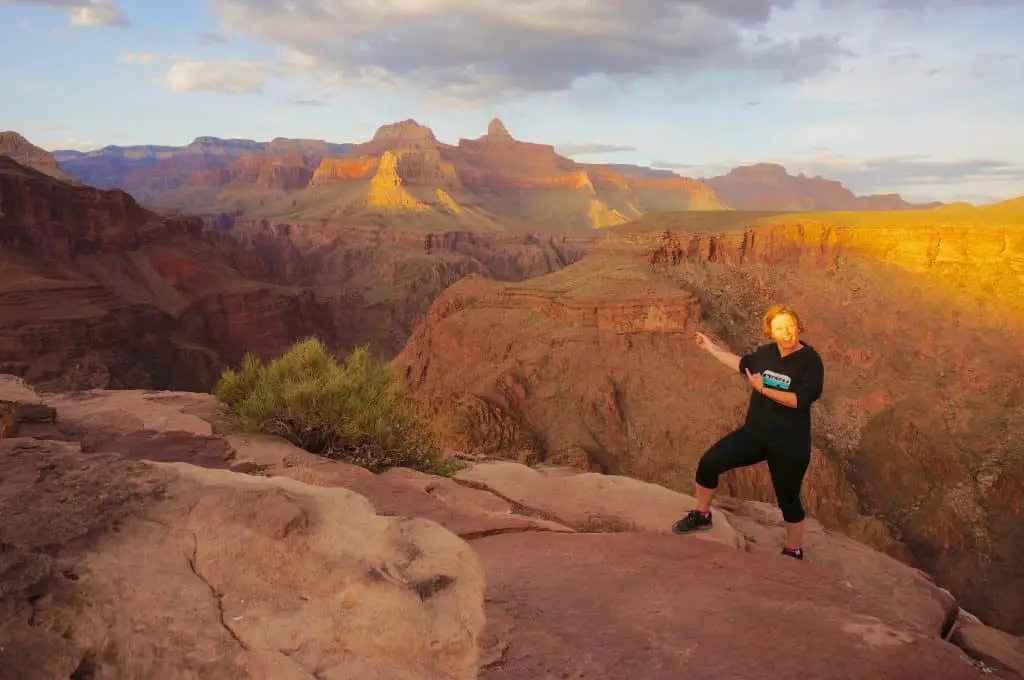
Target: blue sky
(920, 97)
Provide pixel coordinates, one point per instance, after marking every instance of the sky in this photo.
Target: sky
(917, 97)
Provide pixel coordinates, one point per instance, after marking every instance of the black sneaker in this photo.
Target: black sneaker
(694, 521)
(798, 553)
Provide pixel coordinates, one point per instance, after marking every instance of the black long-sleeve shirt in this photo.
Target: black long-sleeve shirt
(801, 372)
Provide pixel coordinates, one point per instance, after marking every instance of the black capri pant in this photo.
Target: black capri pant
(787, 463)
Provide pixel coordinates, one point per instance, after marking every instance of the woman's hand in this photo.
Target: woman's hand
(704, 343)
(755, 380)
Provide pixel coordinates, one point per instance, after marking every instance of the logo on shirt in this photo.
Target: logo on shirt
(776, 380)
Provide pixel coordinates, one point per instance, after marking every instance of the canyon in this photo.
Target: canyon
(917, 315)
(97, 291)
(582, 322)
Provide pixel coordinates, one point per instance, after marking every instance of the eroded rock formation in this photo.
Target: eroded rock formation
(386, 190)
(499, 182)
(495, 177)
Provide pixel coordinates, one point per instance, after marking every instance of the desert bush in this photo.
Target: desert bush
(353, 409)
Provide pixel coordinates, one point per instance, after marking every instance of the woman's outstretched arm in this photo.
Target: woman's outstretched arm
(726, 357)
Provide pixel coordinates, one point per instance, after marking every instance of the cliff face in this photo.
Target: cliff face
(289, 172)
(390, 278)
(767, 186)
(63, 219)
(344, 169)
(984, 260)
(915, 444)
(98, 291)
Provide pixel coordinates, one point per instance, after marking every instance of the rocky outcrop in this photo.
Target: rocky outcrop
(140, 542)
(502, 155)
(406, 135)
(923, 371)
(154, 569)
(497, 130)
(14, 146)
(386, 190)
(768, 186)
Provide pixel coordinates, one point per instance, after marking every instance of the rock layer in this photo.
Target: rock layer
(159, 570)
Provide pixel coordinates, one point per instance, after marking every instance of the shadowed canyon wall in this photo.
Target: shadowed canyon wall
(97, 291)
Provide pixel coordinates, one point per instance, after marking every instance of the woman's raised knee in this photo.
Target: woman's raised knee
(707, 472)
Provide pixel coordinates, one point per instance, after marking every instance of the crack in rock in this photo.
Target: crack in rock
(517, 508)
(192, 564)
(487, 533)
(592, 525)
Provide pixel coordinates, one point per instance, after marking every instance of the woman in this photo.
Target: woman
(787, 376)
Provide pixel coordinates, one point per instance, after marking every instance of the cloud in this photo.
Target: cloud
(68, 144)
(905, 74)
(82, 12)
(131, 58)
(591, 148)
(232, 77)
(909, 170)
(308, 102)
(210, 38)
(919, 5)
(472, 49)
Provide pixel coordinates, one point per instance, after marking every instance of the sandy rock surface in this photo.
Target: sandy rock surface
(142, 539)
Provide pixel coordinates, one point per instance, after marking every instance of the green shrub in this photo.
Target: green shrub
(354, 410)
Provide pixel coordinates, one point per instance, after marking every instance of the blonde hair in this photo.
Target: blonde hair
(776, 311)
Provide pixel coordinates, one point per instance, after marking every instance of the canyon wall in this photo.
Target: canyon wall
(97, 291)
